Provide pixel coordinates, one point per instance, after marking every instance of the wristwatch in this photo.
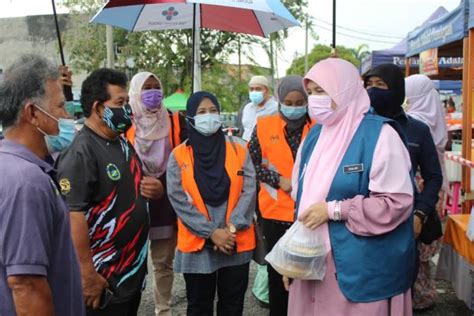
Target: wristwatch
(421, 215)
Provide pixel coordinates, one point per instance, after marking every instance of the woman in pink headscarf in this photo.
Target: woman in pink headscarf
(353, 187)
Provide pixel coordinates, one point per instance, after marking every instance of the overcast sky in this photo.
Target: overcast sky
(389, 20)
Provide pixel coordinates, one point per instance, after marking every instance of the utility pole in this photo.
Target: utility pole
(240, 69)
(306, 44)
(272, 66)
(109, 35)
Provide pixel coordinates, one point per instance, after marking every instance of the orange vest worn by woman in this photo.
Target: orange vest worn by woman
(276, 204)
(234, 162)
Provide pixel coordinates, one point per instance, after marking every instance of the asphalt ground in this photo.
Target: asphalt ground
(448, 304)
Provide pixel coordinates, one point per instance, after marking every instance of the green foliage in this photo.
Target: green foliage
(223, 81)
(85, 42)
(319, 53)
(361, 52)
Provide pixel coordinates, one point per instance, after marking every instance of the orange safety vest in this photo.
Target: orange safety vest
(276, 204)
(175, 130)
(234, 162)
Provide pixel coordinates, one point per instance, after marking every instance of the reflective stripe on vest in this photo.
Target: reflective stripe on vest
(235, 159)
(274, 203)
(175, 129)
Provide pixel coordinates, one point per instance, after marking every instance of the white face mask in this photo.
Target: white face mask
(319, 109)
(207, 124)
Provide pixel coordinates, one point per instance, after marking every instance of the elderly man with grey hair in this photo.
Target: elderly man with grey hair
(39, 270)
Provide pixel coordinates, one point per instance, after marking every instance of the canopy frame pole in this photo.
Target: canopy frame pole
(468, 75)
(407, 66)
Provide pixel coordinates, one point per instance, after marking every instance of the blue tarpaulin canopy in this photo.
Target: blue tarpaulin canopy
(396, 54)
(471, 14)
(453, 86)
(446, 29)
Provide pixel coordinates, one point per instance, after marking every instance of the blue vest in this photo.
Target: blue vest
(368, 268)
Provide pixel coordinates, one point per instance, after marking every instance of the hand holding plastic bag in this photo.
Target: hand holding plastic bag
(299, 254)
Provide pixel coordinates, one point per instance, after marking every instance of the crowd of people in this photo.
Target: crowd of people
(357, 161)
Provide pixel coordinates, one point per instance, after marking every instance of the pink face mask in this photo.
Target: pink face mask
(319, 109)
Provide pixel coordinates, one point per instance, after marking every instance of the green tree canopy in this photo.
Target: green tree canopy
(319, 53)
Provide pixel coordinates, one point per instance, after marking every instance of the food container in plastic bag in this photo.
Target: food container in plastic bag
(299, 254)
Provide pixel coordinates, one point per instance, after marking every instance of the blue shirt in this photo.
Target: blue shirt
(35, 234)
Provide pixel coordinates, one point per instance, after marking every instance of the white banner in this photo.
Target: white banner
(170, 16)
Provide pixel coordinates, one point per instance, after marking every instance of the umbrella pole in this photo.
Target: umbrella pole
(58, 33)
(334, 27)
(197, 49)
(67, 89)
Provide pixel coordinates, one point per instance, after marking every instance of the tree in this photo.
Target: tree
(318, 53)
(361, 52)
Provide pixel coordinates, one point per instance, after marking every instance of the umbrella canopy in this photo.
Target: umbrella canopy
(260, 17)
(256, 17)
(176, 101)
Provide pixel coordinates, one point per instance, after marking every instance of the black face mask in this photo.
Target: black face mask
(384, 102)
(118, 119)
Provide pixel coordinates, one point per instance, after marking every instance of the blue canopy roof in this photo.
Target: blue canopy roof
(471, 14)
(446, 29)
(454, 86)
(396, 54)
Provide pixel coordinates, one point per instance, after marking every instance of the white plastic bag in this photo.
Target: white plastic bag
(299, 254)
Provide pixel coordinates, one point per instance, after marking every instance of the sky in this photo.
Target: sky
(357, 20)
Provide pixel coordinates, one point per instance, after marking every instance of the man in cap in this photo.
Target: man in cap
(261, 103)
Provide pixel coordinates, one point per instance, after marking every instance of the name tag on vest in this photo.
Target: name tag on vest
(354, 168)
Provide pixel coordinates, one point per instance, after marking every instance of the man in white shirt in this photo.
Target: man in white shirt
(261, 103)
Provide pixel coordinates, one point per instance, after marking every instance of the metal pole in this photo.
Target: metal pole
(272, 65)
(334, 24)
(306, 45)
(109, 35)
(196, 49)
(67, 90)
(240, 68)
(58, 33)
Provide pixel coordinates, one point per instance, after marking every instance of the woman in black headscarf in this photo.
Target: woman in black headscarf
(273, 148)
(211, 185)
(385, 85)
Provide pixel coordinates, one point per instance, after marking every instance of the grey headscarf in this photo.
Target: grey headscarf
(287, 85)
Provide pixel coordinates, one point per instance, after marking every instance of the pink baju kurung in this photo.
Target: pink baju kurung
(388, 205)
(377, 214)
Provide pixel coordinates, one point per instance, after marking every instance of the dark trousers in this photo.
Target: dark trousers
(231, 284)
(129, 308)
(272, 231)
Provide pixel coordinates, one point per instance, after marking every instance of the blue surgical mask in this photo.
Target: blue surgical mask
(293, 112)
(67, 131)
(207, 124)
(256, 97)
